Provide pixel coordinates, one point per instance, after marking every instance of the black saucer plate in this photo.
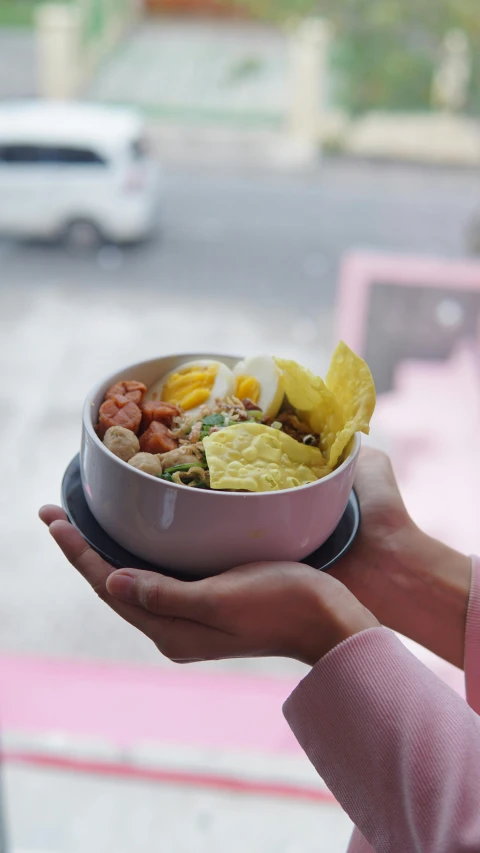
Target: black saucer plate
(75, 506)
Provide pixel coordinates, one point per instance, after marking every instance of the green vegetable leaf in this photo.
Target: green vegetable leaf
(214, 420)
(185, 467)
(166, 476)
(256, 416)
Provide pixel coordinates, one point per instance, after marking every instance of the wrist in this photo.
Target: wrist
(426, 594)
(336, 616)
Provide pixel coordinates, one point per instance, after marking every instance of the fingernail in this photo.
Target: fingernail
(121, 585)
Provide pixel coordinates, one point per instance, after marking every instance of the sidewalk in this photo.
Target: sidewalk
(224, 147)
(102, 758)
(84, 814)
(188, 72)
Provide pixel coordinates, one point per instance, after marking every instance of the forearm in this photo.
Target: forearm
(398, 748)
(435, 581)
(420, 588)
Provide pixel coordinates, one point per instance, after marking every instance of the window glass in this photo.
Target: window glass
(57, 155)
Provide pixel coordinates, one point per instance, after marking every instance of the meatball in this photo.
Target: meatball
(130, 389)
(147, 462)
(122, 442)
(164, 413)
(157, 439)
(182, 456)
(118, 412)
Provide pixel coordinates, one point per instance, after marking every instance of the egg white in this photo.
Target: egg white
(270, 379)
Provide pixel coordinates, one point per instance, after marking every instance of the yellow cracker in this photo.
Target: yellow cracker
(350, 381)
(316, 405)
(256, 458)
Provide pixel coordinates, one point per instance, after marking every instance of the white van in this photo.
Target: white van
(75, 171)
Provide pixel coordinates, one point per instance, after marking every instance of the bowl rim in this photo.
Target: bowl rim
(89, 427)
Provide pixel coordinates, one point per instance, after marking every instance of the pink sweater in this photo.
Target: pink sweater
(398, 748)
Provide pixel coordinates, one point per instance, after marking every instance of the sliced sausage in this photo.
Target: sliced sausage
(164, 413)
(130, 389)
(250, 405)
(118, 412)
(157, 439)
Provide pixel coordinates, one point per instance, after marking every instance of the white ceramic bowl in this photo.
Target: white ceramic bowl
(196, 531)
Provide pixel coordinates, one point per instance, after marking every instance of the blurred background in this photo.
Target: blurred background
(181, 175)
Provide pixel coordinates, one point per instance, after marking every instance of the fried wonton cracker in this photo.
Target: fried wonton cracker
(337, 408)
(256, 458)
(315, 404)
(350, 381)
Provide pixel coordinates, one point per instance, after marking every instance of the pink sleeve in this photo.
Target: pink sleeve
(472, 641)
(398, 748)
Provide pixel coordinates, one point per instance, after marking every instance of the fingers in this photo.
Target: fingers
(163, 596)
(372, 459)
(51, 513)
(375, 479)
(91, 566)
(169, 612)
(158, 595)
(176, 615)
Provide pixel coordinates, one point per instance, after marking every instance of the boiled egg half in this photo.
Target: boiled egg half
(193, 385)
(260, 380)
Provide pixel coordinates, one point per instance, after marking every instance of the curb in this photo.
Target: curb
(191, 779)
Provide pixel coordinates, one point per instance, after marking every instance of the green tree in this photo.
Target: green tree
(385, 51)
(435, 17)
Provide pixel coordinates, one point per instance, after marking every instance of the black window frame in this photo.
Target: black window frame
(50, 155)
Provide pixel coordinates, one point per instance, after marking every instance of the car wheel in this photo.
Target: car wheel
(82, 236)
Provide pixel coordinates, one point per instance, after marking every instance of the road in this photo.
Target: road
(245, 262)
(271, 238)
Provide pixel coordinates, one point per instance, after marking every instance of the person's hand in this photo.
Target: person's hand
(385, 532)
(269, 609)
(413, 584)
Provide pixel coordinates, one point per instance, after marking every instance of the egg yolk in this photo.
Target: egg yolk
(191, 387)
(248, 388)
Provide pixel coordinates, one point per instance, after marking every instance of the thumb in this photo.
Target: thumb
(375, 480)
(160, 595)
